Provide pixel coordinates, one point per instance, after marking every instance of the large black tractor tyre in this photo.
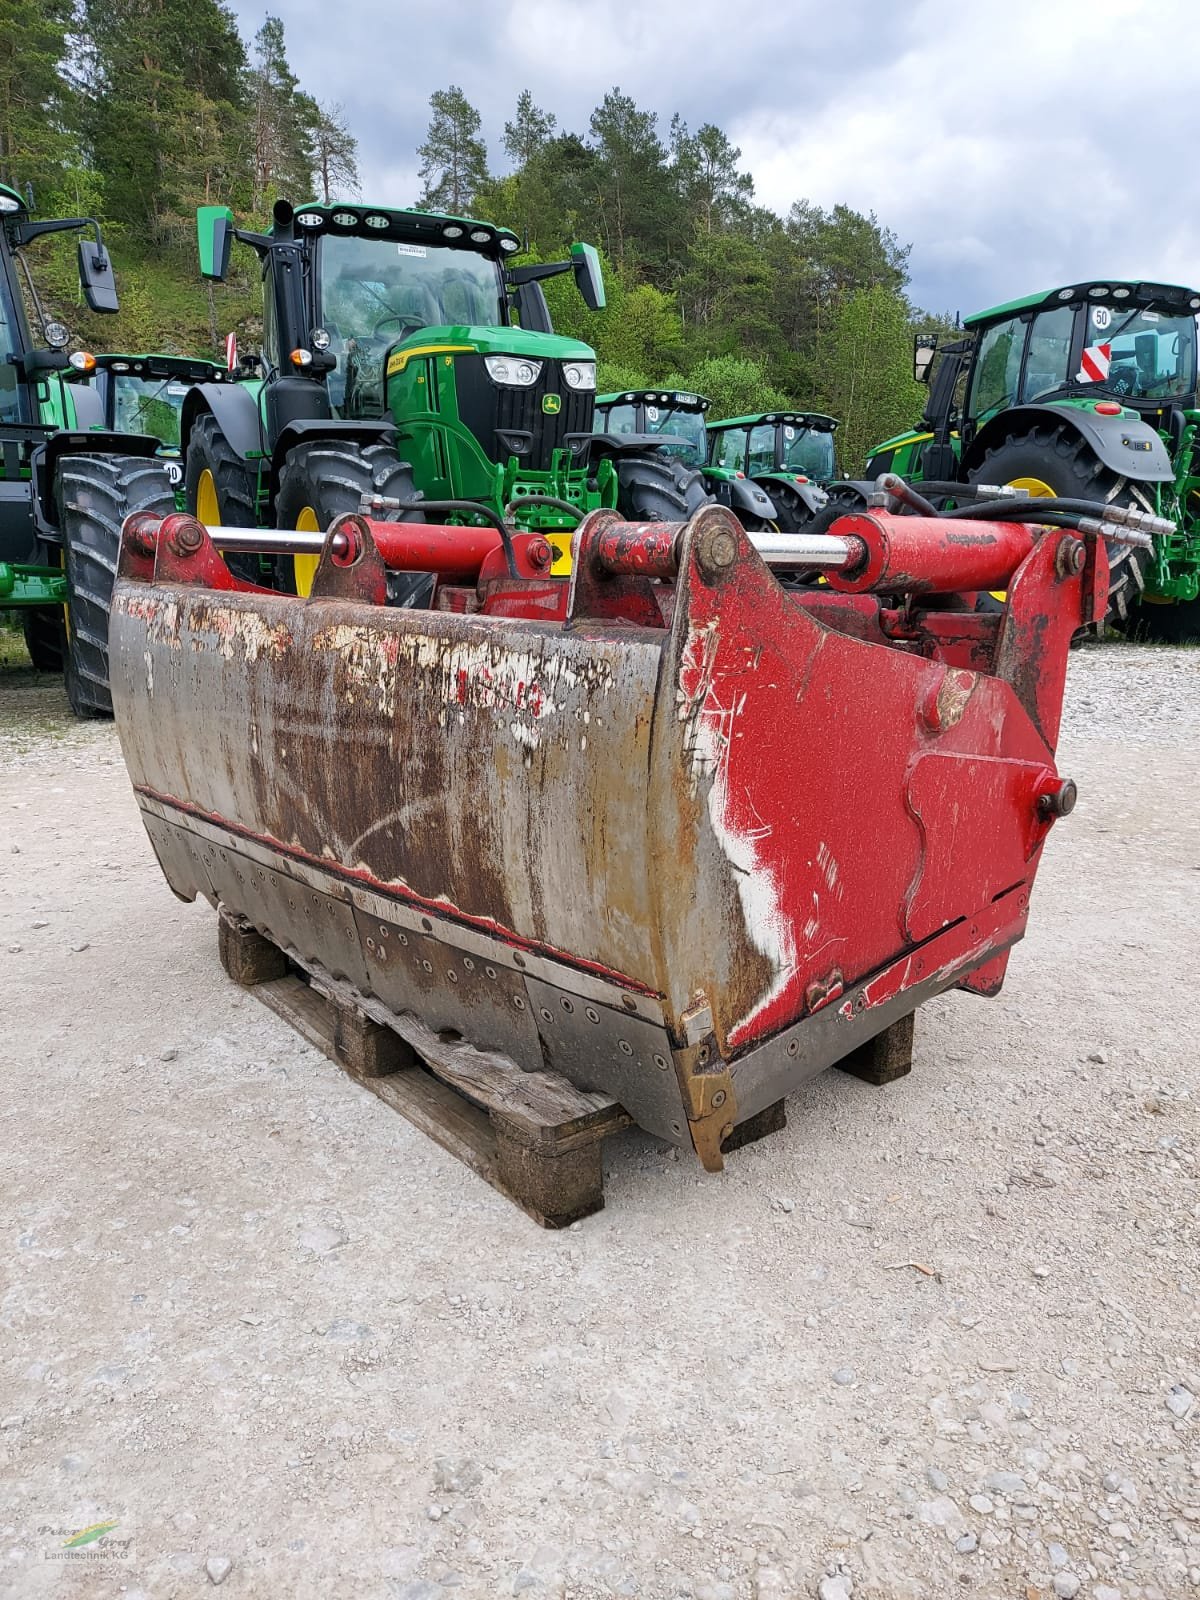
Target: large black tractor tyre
(843, 498)
(44, 638)
(1178, 623)
(326, 478)
(220, 485)
(659, 488)
(95, 494)
(1060, 459)
(221, 488)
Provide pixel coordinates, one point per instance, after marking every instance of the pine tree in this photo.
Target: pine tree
(713, 190)
(634, 199)
(453, 157)
(284, 122)
(335, 152)
(526, 137)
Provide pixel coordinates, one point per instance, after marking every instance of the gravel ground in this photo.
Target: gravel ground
(291, 1348)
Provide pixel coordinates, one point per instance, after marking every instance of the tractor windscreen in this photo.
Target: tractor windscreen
(374, 292)
(148, 405)
(687, 426)
(808, 451)
(1140, 354)
(10, 391)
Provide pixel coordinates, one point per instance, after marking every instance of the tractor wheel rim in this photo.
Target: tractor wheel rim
(305, 567)
(208, 510)
(1039, 489)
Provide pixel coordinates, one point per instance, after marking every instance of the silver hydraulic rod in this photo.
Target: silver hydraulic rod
(807, 549)
(288, 542)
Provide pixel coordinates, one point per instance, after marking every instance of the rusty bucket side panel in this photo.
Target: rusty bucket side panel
(493, 773)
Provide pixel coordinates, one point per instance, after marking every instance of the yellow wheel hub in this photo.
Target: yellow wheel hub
(1036, 487)
(208, 511)
(305, 567)
(1040, 490)
(560, 543)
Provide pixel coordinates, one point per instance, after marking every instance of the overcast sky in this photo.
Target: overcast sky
(1016, 144)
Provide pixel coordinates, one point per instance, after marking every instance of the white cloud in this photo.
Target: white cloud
(1015, 143)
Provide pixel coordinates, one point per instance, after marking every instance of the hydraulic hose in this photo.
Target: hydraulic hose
(544, 500)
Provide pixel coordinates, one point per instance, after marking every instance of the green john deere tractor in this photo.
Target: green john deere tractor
(676, 420)
(393, 374)
(789, 455)
(145, 394)
(67, 480)
(1089, 391)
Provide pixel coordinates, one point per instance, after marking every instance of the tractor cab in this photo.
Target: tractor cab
(793, 444)
(1084, 392)
(669, 416)
(30, 393)
(382, 319)
(141, 394)
(1134, 343)
(788, 455)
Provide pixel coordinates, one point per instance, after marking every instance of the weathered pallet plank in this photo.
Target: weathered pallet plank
(535, 1138)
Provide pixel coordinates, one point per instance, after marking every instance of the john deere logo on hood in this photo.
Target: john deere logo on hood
(552, 404)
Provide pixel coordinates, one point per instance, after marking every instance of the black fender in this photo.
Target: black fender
(1127, 445)
(43, 465)
(624, 444)
(86, 405)
(811, 495)
(748, 498)
(236, 411)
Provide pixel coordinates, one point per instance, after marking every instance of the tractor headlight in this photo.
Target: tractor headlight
(512, 369)
(580, 374)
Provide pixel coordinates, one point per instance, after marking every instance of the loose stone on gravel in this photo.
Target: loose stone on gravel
(838, 1586)
(1180, 1401)
(218, 1569)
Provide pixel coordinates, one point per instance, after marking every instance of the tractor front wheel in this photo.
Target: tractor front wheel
(1057, 461)
(326, 479)
(221, 489)
(659, 488)
(44, 638)
(95, 495)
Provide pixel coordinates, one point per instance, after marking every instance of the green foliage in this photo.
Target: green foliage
(863, 371)
(162, 112)
(612, 378)
(736, 385)
(35, 101)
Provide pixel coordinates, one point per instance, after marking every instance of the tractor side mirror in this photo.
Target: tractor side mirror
(214, 235)
(589, 276)
(96, 277)
(924, 350)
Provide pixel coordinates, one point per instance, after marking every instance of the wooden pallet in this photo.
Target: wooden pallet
(531, 1135)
